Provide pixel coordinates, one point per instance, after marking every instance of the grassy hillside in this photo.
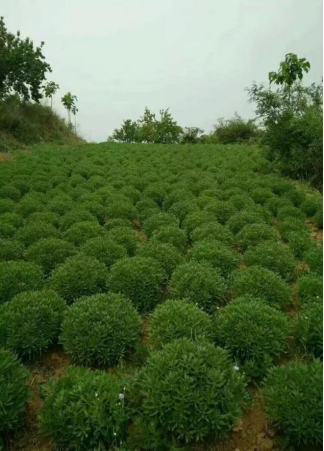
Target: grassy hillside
(200, 273)
(23, 124)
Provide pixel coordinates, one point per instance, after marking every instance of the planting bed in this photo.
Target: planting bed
(159, 298)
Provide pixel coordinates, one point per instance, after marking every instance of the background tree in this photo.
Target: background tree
(68, 101)
(191, 135)
(50, 89)
(22, 66)
(128, 132)
(235, 130)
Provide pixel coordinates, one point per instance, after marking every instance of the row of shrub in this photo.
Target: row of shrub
(85, 409)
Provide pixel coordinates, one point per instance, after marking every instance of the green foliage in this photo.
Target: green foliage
(310, 288)
(18, 276)
(300, 242)
(290, 70)
(253, 234)
(200, 283)
(79, 276)
(100, 330)
(235, 130)
(104, 250)
(75, 216)
(141, 279)
(314, 258)
(32, 322)
(172, 236)
(49, 253)
(261, 195)
(81, 232)
(309, 329)
(24, 67)
(127, 133)
(126, 237)
(191, 135)
(262, 283)
(212, 231)
(217, 254)
(11, 250)
(179, 319)
(166, 254)
(243, 218)
(260, 335)
(204, 377)
(293, 398)
(84, 410)
(273, 256)
(159, 221)
(33, 232)
(311, 205)
(14, 392)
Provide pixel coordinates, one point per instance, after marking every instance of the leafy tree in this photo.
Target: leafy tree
(68, 101)
(22, 66)
(147, 124)
(167, 129)
(50, 89)
(128, 132)
(191, 135)
(235, 130)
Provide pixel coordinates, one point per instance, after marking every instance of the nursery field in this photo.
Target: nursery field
(158, 297)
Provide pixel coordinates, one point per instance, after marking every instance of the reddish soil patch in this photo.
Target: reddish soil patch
(145, 330)
(141, 236)
(317, 233)
(5, 156)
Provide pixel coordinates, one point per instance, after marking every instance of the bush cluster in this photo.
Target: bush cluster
(18, 276)
(100, 329)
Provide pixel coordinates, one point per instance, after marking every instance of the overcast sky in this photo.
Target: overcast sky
(193, 56)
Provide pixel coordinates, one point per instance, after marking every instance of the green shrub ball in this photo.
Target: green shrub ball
(159, 221)
(293, 400)
(179, 319)
(81, 232)
(83, 410)
(309, 329)
(274, 256)
(14, 393)
(49, 253)
(11, 250)
(79, 276)
(212, 232)
(310, 288)
(100, 329)
(18, 276)
(167, 255)
(32, 322)
(171, 235)
(197, 380)
(126, 237)
(140, 279)
(31, 233)
(253, 234)
(262, 283)
(200, 283)
(217, 254)
(104, 249)
(260, 335)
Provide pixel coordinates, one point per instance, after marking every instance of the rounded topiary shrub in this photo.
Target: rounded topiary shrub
(166, 254)
(196, 219)
(311, 205)
(261, 195)
(179, 319)
(79, 276)
(7, 205)
(276, 203)
(293, 400)
(13, 219)
(104, 249)
(289, 225)
(213, 232)
(253, 333)
(82, 231)
(290, 212)
(310, 288)
(309, 329)
(84, 410)
(300, 242)
(253, 234)
(32, 322)
(171, 235)
(221, 209)
(200, 283)
(141, 279)
(74, 217)
(113, 223)
(14, 392)
(44, 216)
(100, 329)
(33, 232)
(11, 250)
(18, 276)
(197, 380)
(217, 254)
(126, 237)
(243, 218)
(295, 196)
(121, 209)
(10, 192)
(159, 221)
(50, 252)
(273, 256)
(314, 258)
(262, 283)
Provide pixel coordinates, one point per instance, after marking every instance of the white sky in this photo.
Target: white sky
(194, 56)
